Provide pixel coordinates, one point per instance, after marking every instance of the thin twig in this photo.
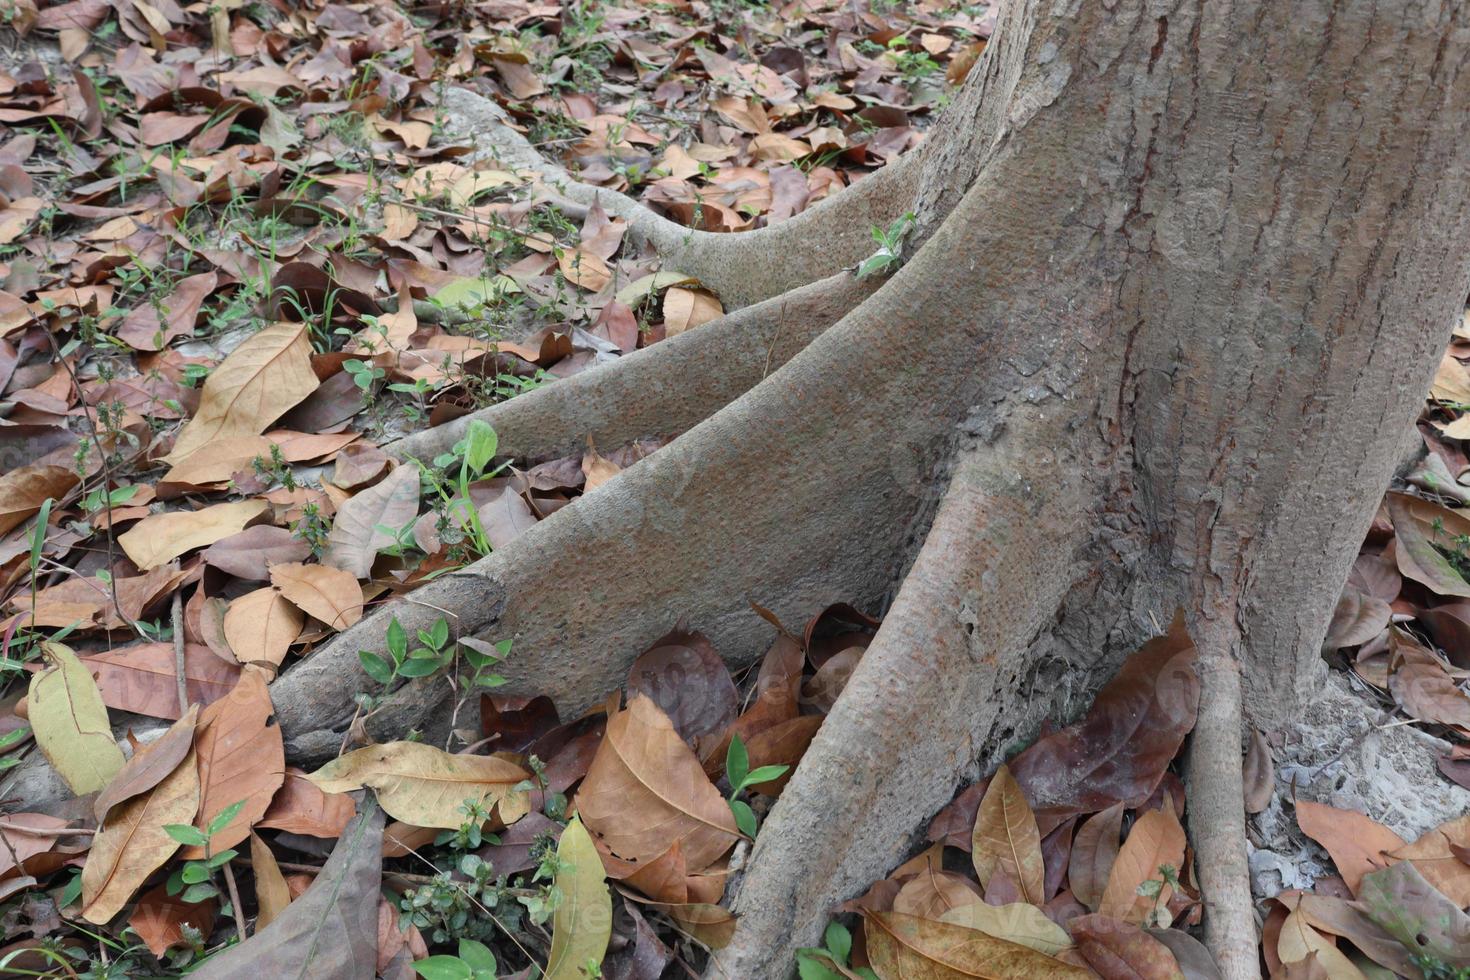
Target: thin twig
(234, 890)
(178, 627)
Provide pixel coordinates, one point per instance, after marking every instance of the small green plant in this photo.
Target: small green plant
(196, 878)
(313, 528)
(434, 653)
(474, 962)
(364, 375)
(7, 741)
(1159, 915)
(738, 772)
(473, 453)
(1434, 968)
(829, 961)
(890, 247)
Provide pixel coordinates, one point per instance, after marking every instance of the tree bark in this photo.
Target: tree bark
(1180, 275)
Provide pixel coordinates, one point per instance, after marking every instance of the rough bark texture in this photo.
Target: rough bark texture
(1181, 274)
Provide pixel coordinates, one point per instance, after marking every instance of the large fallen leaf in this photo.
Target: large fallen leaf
(1155, 842)
(159, 539)
(582, 922)
(24, 489)
(251, 553)
(1421, 529)
(133, 844)
(645, 790)
(685, 309)
(1006, 838)
(149, 766)
(70, 723)
(241, 758)
(252, 387)
(425, 786)
(933, 892)
(159, 919)
(685, 677)
(1356, 844)
(1348, 920)
(1298, 940)
(1422, 686)
(1017, 922)
(142, 678)
(300, 807)
(1435, 855)
(1119, 949)
(330, 594)
(905, 946)
(260, 627)
(271, 894)
(1415, 913)
(331, 930)
(371, 521)
(1120, 749)
(1093, 853)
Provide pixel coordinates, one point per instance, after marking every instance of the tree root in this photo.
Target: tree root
(1217, 816)
(743, 268)
(941, 679)
(660, 390)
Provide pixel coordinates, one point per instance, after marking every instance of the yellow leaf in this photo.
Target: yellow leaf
(425, 786)
(251, 388)
(159, 539)
(70, 722)
(582, 923)
(271, 892)
(1018, 923)
(1299, 940)
(926, 949)
(260, 627)
(1006, 838)
(330, 594)
(134, 844)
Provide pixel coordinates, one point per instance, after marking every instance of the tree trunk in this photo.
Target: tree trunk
(1180, 277)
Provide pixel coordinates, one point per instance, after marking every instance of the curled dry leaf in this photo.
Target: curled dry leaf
(904, 946)
(1422, 686)
(1357, 844)
(1419, 526)
(1093, 854)
(685, 677)
(582, 922)
(1298, 940)
(300, 807)
(159, 539)
(1119, 949)
(331, 930)
(241, 758)
(24, 489)
(70, 723)
(369, 521)
(251, 553)
(150, 765)
(685, 309)
(1155, 842)
(271, 894)
(252, 387)
(159, 919)
(931, 893)
(260, 627)
(1006, 838)
(329, 594)
(425, 786)
(1259, 774)
(645, 790)
(1434, 855)
(1357, 619)
(133, 844)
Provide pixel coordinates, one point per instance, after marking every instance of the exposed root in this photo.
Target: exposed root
(661, 390)
(1217, 816)
(743, 268)
(937, 683)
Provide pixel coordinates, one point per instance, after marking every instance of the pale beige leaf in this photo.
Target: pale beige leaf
(369, 521)
(159, 539)
(645, 790)
(330, 594)
(685, 309)
(134, 844)
(425, 786)
(926, 949)
(1298, 940)
(260, 626)
(1155, 842)
(1017, 922)
(70, 723)
(1006, 837)
(252, 387)
(1433, 854)
(582, 923)
(271, 892)
(1093, 853)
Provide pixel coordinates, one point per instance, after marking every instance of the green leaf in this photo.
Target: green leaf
(38, 536)
(397, 640)
(439, 634)
(737, 763)
(12, 737)
(472, 291)
(375, 666)
(198, 893)
(480, 443)
(223, 818)
(418, 668)
(477, 956)
(744, 817)
(223, 857)
(194, 872)
(443, 968)
(812, 965)
(839, 941)
(765, 774)
(582, 922)
(186, 834)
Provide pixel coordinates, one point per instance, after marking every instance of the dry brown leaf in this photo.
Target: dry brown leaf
(1006, 838)
(24, 489)
(366, 523)
(1120, 949)
(260, 627)
(685, 309)
(300, 807)
(931, 893)
(149, 766)
(134, 844)
(143, 678)
(1298, 940)
(646, 790)
(271, 894)
(159, 539)
(329, 594)
(1357, 844)
(1259, 773)
(159, 919)
(1433, 854)
(1156, 841)
(252, 387)
(924, 949)
(241, 757)
(1093, 854)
